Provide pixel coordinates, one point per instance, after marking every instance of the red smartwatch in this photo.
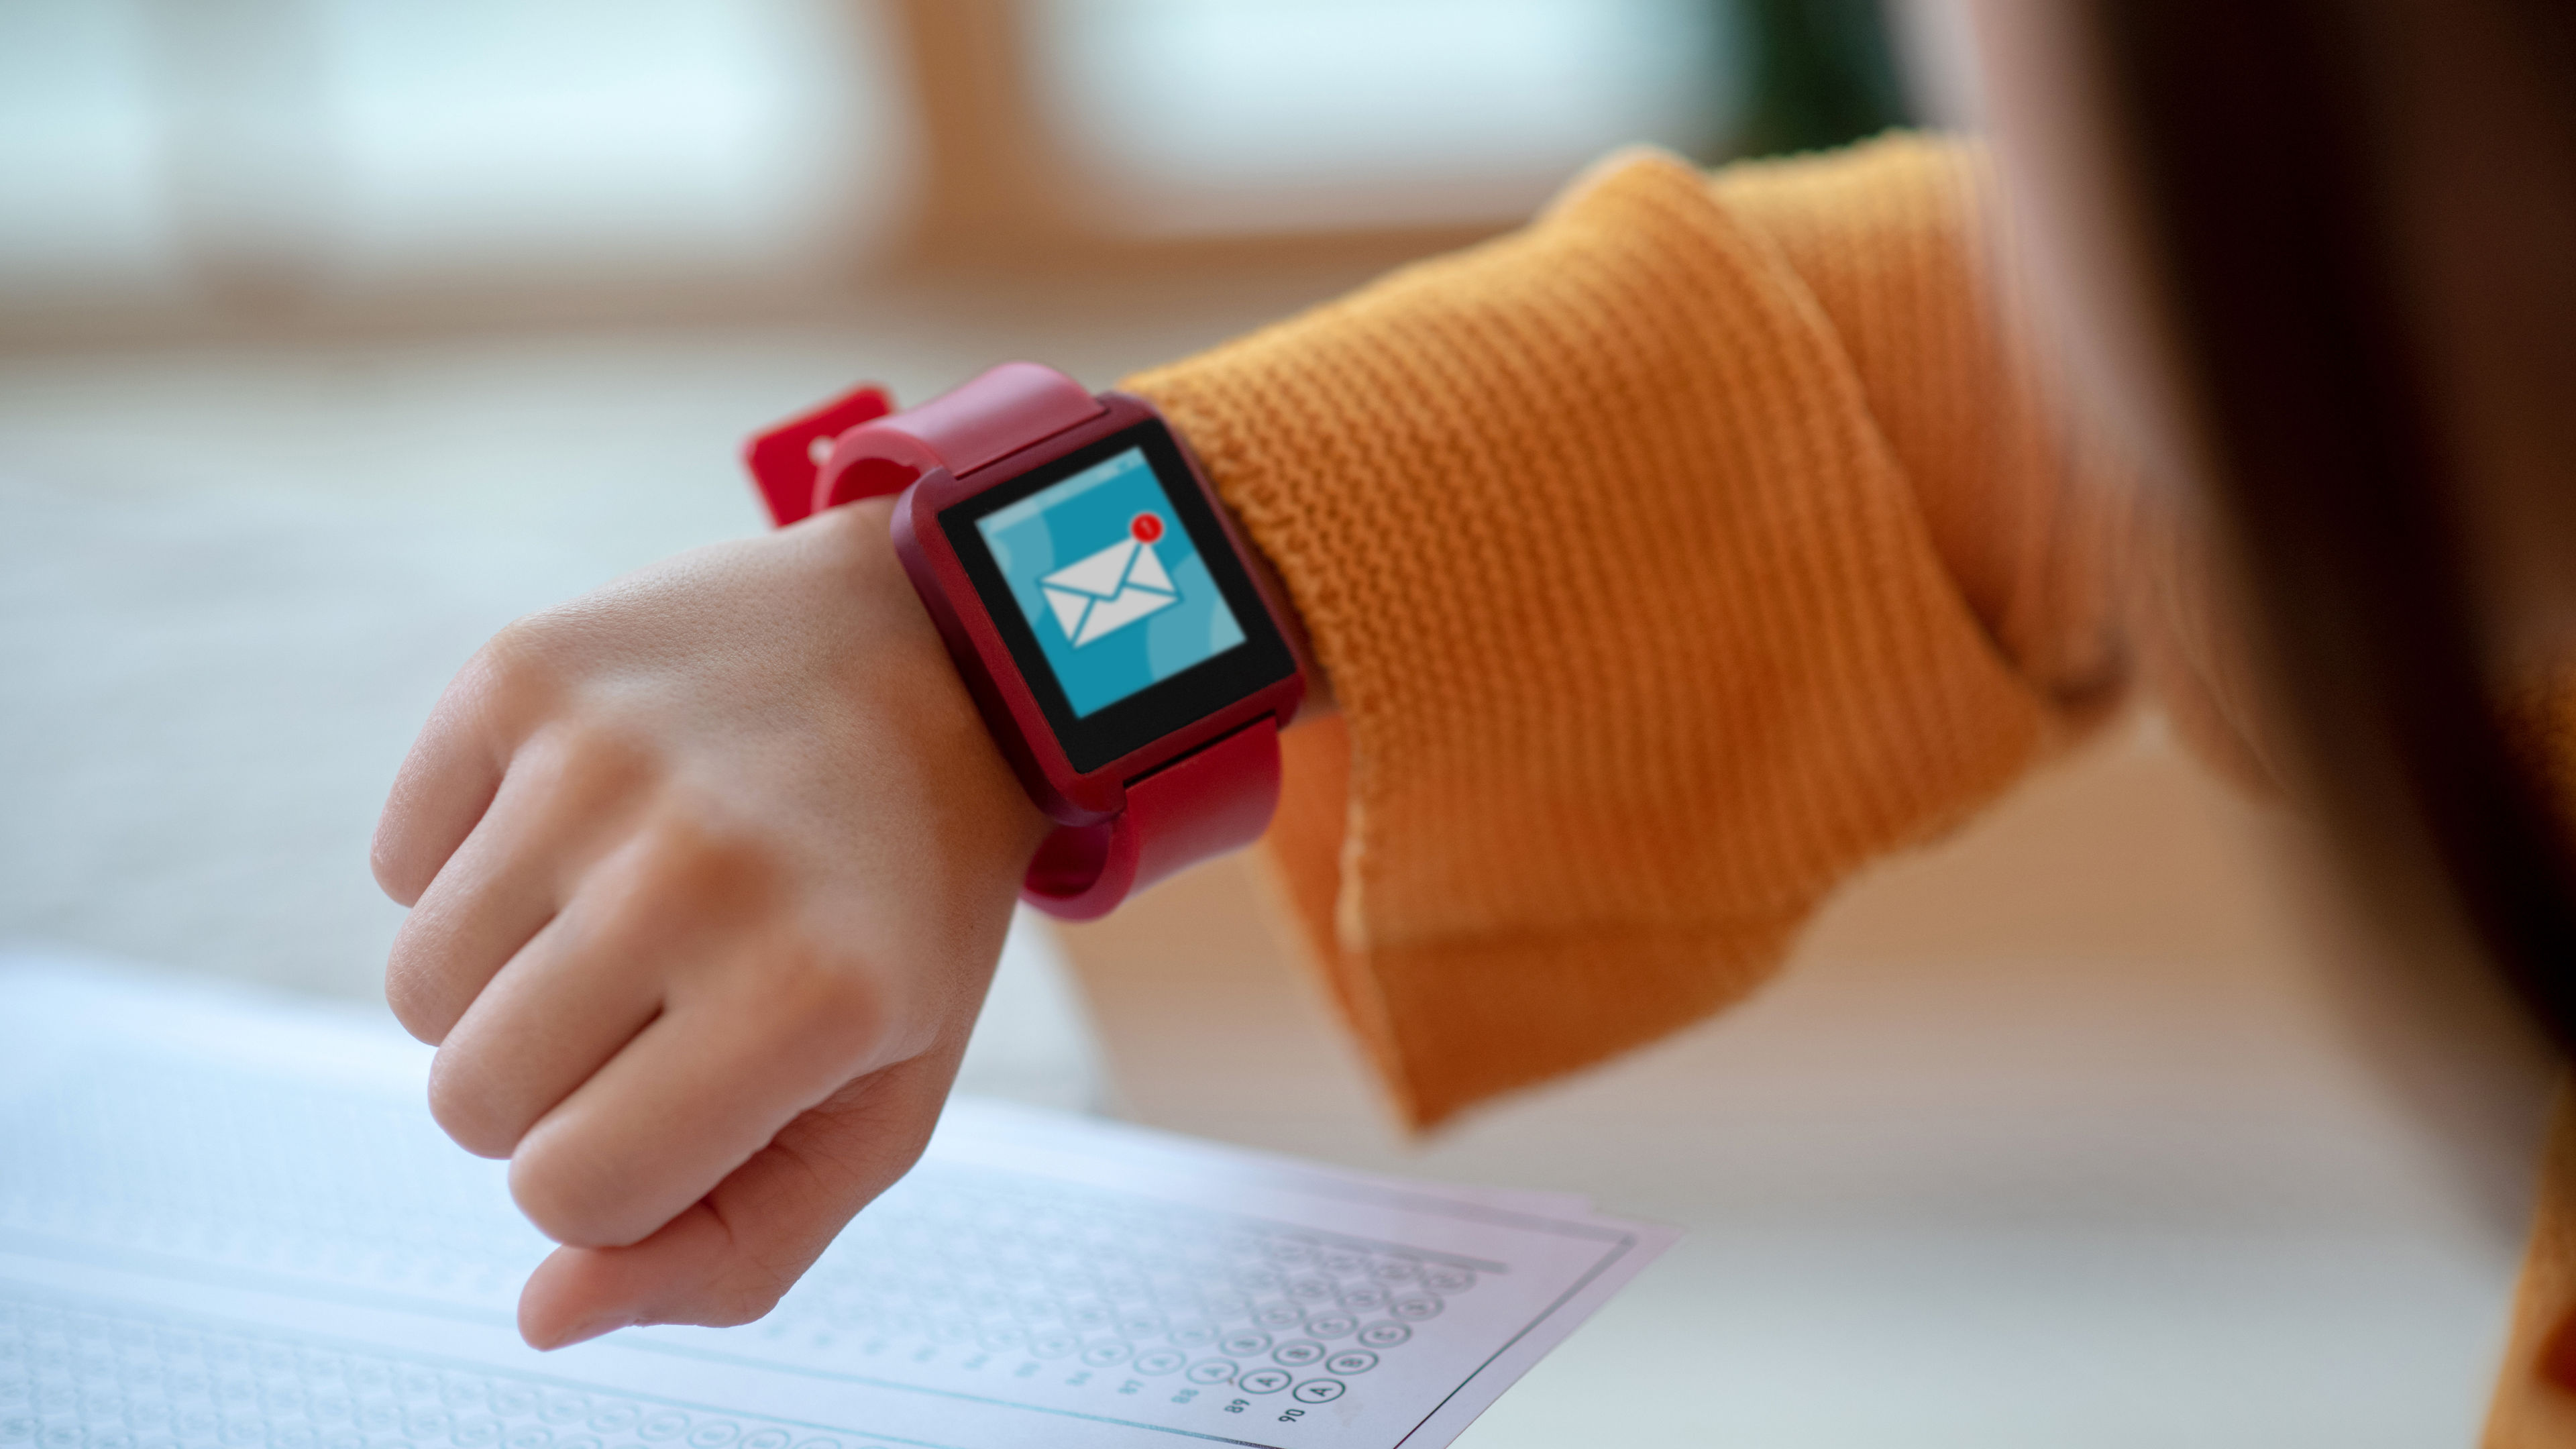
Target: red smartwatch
(1095, 598)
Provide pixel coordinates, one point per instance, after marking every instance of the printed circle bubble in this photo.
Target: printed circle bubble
(1319, 1391)
(1415, 1307)
(1212, 1371)
(1245, 1345)
(1102, 1355)
(1263, 1381)
(1160, 1361)
(1385, 1335)
(1449, 1280)
(1146, 527)
(1351, 1361)
(1331, 1325)
(1298, 1353)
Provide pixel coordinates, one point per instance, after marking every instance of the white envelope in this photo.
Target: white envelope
(1108, 591)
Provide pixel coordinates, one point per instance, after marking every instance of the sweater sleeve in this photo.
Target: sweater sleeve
(1672, 558)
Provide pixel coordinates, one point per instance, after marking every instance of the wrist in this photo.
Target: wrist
(905, 671)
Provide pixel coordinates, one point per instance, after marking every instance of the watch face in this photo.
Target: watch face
(1118, 592)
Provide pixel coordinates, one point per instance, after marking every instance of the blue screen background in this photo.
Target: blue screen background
(1078, 517)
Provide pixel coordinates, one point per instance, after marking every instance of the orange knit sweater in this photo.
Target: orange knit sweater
(1672, 558)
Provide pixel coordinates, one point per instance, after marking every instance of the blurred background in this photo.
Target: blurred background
(336, 333)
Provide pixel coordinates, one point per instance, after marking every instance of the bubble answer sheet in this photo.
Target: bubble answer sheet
(229, 1220)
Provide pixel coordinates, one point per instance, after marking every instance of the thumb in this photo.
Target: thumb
(729, 1258)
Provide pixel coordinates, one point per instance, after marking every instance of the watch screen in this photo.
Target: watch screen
(1110, 577)
(1111, 583)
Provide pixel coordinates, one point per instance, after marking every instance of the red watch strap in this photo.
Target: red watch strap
(999, 412)
(811, 462)
(1201, 805)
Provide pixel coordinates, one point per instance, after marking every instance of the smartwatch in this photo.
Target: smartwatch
(1129, 661)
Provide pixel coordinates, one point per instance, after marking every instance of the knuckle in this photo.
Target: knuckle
(414, 1006)
(836, 987)
(696, 865)
(571, 1203)
(393, 861)
(595, 759)
(415, 986)
(836, 998)
(462, 1103)
(513, 682)
(583, 769)
(518, 660)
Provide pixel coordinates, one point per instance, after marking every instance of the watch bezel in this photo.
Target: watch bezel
(1077, 767)
(1134, 722)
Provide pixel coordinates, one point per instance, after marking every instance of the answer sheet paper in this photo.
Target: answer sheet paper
(228, 1220)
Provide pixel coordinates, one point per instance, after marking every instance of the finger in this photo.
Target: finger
(695, 1094)
(564, 800)
(576, 994)
(446, 782)
(728, 1259)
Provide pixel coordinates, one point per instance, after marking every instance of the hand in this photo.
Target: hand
(709, 871)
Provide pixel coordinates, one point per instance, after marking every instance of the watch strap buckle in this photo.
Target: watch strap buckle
(786, 459)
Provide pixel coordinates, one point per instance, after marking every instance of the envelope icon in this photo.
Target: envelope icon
(1107, 591)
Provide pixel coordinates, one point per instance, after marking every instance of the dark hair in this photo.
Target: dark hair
(2257, 137)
